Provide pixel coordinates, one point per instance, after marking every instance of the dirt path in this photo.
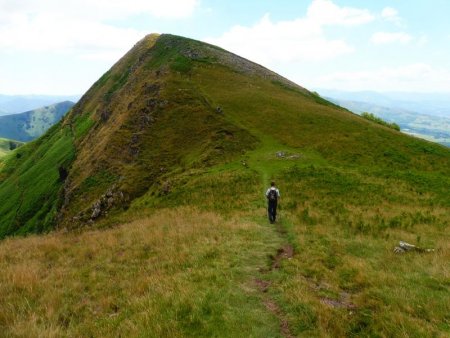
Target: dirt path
(263, 285)
(262, 161)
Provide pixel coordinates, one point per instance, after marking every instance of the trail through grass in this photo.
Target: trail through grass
(344, 274)
(178, 273)
(343, 224)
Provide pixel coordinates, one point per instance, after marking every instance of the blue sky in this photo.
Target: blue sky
(62, 47)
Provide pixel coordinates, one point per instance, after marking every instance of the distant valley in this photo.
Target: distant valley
(416, 114)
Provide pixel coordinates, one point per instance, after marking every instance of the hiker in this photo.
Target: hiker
(272, 196)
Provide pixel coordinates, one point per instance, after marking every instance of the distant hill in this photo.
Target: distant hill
(15, 104)
(161, 169)
(32, 124)
(435, 104)
(430, 127)
(8, 145)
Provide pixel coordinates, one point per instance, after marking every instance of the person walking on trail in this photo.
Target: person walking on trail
(272, 195)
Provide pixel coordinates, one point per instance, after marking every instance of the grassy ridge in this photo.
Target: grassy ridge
(297, 120)
(344, 279)
(183, 271)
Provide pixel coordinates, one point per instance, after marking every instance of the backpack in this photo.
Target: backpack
(272, 196)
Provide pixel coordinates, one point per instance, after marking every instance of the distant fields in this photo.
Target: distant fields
(428, 127)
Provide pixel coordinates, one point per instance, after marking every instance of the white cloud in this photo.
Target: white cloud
(103, 9)
(325, 12)
(80, 26)
(419, 77)
(380, 38)
(422, 40)
(391, 14)
(40, 34)
(301, 39)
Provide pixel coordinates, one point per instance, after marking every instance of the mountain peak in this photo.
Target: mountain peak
(174, 107)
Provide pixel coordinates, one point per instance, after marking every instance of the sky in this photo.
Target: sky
(58, 47)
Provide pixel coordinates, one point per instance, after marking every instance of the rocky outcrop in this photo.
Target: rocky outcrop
(406, 247)
(112, 197)
(286, 155)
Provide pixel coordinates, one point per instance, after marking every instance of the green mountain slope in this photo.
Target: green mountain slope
(181, 138)
(32, 124)
(7, 146)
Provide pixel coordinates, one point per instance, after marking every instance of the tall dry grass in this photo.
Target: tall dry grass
(179, 272)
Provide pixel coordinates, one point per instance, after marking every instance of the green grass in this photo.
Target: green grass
(129, 281)
(345, 279)
(83, 124)
(344, 223)
(7, 146)
(29, 191)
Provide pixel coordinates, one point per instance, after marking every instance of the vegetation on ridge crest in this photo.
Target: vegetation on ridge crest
(378, 120)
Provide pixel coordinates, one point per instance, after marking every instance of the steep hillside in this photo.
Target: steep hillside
(7, 145)
(181, 138)
(32, 124)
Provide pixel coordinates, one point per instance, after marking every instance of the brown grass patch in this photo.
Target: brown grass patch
(139, 277)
